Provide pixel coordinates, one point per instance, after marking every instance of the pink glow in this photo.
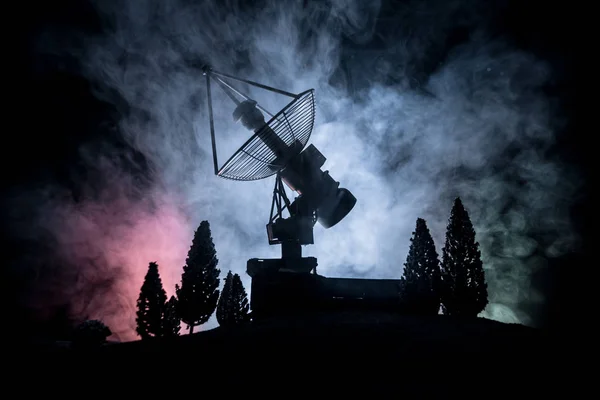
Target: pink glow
(118, 238)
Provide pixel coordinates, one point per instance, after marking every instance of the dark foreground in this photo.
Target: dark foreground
(386, 354)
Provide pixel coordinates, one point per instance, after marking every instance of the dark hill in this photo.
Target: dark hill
(343, 352)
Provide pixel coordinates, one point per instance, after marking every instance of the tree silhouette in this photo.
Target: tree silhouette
(91, 333)
(198, 294)
(151, 304)
(421, 278)
(233, 304)
(464, 291)
(171, 321)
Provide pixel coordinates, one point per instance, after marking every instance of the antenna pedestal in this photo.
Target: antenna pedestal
(278, 284)
(283, 286)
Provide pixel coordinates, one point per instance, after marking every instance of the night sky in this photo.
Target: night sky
(107, 162)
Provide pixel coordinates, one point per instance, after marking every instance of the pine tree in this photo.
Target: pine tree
(421, 278)
(171, 321)
(224, 305)
(151, 304)
(233, 304)
(198, 294)
(90, 333)
(464, 290)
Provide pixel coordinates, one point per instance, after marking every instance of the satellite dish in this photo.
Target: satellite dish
(278, 147)
(275, 142)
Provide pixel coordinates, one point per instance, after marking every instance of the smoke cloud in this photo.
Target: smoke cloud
(404, 127)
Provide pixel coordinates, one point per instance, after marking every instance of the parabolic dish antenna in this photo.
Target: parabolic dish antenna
(278, 147)
(275, 142)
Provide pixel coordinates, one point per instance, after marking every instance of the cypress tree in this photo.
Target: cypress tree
(90, 333)
(198, 294)
(224, 305)
(464, 290)
(233, 304)
(151, 304)
(421, 278)
(171, 321)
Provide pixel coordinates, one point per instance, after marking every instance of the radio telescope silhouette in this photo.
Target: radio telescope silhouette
(279, 147)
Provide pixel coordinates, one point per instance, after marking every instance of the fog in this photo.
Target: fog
(403, 138)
